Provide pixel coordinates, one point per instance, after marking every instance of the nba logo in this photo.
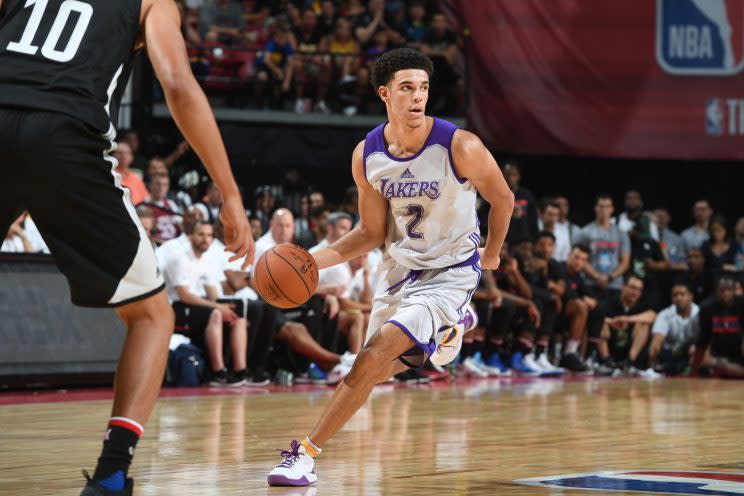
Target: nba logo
(647, 481)
(700, 37)
(714, 117)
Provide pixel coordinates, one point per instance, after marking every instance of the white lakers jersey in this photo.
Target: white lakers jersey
(432, 221)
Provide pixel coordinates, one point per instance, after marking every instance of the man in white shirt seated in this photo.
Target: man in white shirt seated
(180, 244)
(674, 332)
(192, 288)
(281, 230)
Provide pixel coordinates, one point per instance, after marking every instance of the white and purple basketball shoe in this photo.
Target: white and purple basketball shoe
(297, 468)
(451, 343)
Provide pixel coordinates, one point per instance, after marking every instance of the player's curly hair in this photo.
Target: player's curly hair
(398, 60)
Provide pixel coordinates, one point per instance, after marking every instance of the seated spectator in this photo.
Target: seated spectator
(221, 21)
(695, 235)
(447, 86)
(310, 67)
(166, 212)
(345, 57)
(720, 251)
(274, 67)
(368, 21)
(192, 288)
(580, 311)
(719, 344)
(610, 250)
(264, 206)
(176, 246)
(564, 229)
(211, 205)
(317, 200)
(281, 230)
(626, 330)
(700, 279)
(319, 222)
(524, 218)
(139, 161)
(256, 228)
(672, 245)
(155, 167)
(674, 332)
(379, 45)
(633, 212)
(147, 219)
(128, 178)
(328, 18)
(16, 240)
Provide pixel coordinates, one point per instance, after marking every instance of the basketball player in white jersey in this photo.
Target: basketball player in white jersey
(418, 178)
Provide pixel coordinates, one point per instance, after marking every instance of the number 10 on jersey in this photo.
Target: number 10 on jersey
(49, 47)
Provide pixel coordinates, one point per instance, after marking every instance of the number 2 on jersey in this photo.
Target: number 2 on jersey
(418, 215)
(49, 48)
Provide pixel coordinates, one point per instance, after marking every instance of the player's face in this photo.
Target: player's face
(681, 297)
(406, 96)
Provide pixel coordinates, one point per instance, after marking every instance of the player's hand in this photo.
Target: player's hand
(331, 306)
(488, 261)
(238, 235)
(534, 314)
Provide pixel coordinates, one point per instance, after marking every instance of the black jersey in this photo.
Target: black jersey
(67, 56)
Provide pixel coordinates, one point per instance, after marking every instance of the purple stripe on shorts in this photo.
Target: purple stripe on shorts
(427, 348)
(477, 269)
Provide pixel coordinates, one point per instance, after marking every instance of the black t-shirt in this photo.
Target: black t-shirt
(721, 328)
(308, 42)
(575, 284)
(640, 250)
(616, 308)
(524, 220)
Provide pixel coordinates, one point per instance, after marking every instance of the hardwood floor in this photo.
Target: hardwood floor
(475, 438)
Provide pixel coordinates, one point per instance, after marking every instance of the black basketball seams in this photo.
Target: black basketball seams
(268, 271)
(294, 269)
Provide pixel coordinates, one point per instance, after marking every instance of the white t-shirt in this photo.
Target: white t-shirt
(34, 236)
(676, 328)
(338, 275)
(191, 271)
(170, 249)
(264, 243)
(356, 287)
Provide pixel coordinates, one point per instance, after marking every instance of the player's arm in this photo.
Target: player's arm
(188, 105)
(474, 162)
(369, 233)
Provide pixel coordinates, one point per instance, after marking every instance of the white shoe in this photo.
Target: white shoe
(348, 359)
(547, 366)
(297, 468)
(650, 374)
(300, 106)
(338, 373)
(350, 111)
(451, 343)
(471, 366)
(531, 362)
(321, 106)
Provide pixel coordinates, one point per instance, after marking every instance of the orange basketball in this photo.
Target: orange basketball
(286, 276)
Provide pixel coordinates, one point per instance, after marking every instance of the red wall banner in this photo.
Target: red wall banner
(633, 78)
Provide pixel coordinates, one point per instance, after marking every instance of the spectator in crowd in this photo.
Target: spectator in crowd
(319, 222)
(139, 161)
(274, 66)
(137, 190)
(328, 18)
(166, 212)
(281, 230)
(16, 240)
(674, 332)
(634, 211)
(147, 219)
(720, 251)
(212, 204)
(192, 287)
(524, 219)
(447, 86)
(379, 45)
(345, 60)
(174, 247)
(695, 235)
(719, 343)
(350, 204)
(626, 329)
(739, 239)
(221, 21)
(265, 203)
(155, 167)
(369, 21)
(648, 262)
(548, 222)
(564, 229)
(580, 309)
(416, 26)
(310, 67)
(317, 200)
(700, 279)
(256, 228)
(671, 243)
(609, 247)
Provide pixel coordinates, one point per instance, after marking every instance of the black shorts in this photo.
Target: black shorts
(58, 169)
(191, 321)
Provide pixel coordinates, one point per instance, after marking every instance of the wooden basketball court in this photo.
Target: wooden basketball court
(474, 437)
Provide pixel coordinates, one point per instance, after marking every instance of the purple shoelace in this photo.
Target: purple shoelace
(290, 456)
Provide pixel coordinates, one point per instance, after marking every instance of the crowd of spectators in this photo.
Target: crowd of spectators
(624, 294)
(315, 55)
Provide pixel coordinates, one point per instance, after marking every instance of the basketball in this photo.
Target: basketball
(286, 276)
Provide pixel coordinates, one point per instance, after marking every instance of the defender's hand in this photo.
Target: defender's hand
(238, 235)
